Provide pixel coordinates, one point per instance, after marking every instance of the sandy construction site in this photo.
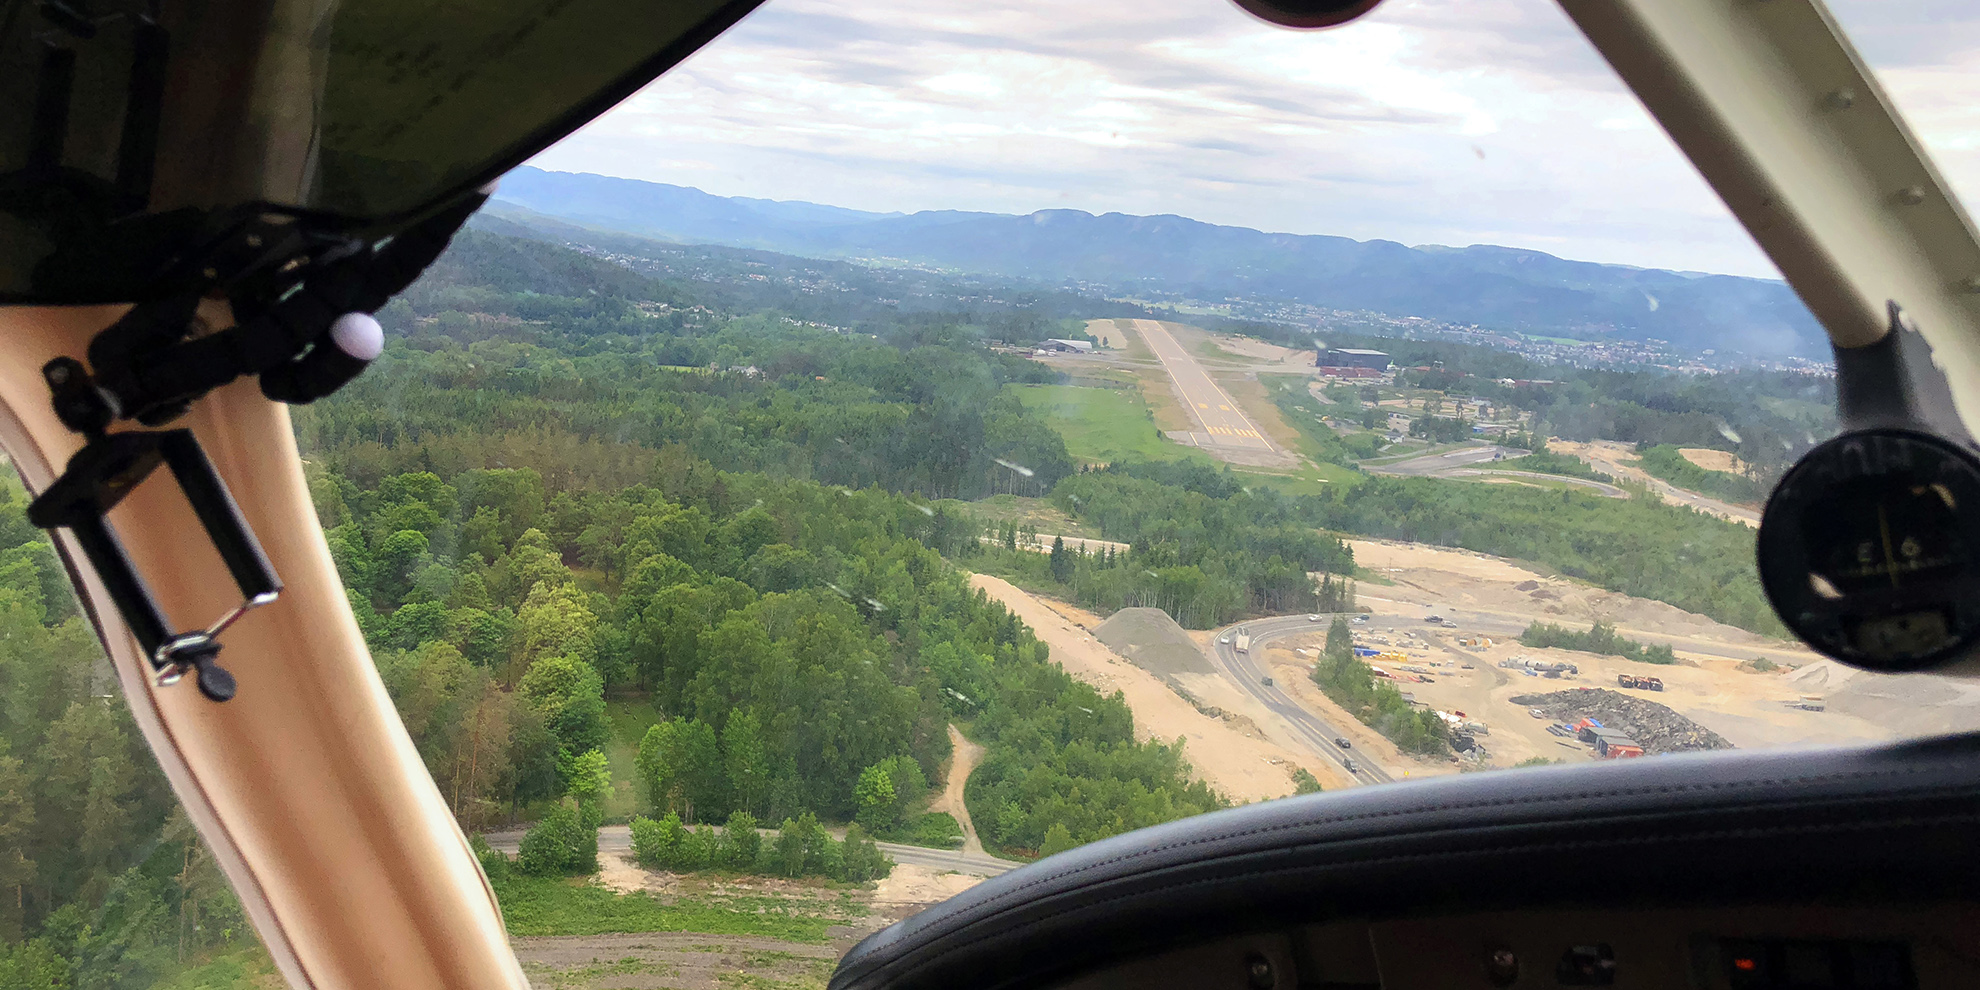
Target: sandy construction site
(1753, 690)
(1741, 685)
(1231, 751)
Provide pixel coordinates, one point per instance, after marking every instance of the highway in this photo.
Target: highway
(1249, 675)
(616, 840)
(1224, 423)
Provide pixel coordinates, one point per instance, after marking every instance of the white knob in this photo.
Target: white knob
(358, 335)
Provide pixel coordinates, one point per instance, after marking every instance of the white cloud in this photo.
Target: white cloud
(1431, 121)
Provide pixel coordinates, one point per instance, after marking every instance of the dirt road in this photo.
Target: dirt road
(1476, 461)
(1617, 460)
(1716, 684)
(683, 960)
(966, 756)
(1241, 766)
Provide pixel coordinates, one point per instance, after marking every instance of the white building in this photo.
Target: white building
(1068, 346)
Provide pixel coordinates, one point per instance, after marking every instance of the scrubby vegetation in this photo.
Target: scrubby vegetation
(1376, 702)
(1600, 638)
(1548, 462)
(1666, 462)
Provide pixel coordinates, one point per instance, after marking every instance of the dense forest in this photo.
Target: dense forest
(103, 882)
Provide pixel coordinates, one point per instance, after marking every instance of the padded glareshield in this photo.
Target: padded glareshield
(133, 132)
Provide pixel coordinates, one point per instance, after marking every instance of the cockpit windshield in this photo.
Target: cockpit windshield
(907, 441)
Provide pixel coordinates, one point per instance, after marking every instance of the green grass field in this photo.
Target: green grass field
(1102, 425)
(629, 720)
(558, 906)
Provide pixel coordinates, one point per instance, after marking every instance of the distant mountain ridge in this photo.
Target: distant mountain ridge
(1495, 287)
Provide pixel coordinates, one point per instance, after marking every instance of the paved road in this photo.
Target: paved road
(616, 840)
(1308, 727)
(1224, 423)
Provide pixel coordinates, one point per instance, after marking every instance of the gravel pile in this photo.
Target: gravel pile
(1151, 640)
(1657, 727)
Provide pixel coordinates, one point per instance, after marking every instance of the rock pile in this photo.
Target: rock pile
(1657, 727)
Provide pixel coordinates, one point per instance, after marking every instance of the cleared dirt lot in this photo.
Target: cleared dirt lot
(683, 960)
(1716, 683)
(1713, 460)
(1618, 461)
(1235, 754)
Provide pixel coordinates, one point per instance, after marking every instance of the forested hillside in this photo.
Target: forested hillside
(551, 497)
(103, 882)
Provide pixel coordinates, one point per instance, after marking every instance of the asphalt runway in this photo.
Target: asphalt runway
(1223, 424)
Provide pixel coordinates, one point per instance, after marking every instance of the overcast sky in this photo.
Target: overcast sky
(1429, 121)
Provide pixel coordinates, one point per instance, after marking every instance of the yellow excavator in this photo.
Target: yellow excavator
(202, 201)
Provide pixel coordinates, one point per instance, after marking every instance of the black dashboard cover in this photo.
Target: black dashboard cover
(1897, 823)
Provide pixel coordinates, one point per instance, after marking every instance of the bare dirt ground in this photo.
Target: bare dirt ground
(1618, 460)
(1256, 352)
(1713, 460)
(1716, 683)
(1107, 333)
(964, 756)
(682, 960)
(1234, 755)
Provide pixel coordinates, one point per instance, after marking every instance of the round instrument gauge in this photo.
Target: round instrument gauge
(1868, 549)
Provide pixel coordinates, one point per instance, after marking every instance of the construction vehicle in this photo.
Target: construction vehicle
(1640, 683)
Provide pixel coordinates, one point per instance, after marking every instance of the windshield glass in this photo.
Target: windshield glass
(907, 442)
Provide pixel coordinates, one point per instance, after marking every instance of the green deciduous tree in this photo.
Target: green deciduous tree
(745, 761)
(874, 794)
(570, 696)
(1057, 840)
